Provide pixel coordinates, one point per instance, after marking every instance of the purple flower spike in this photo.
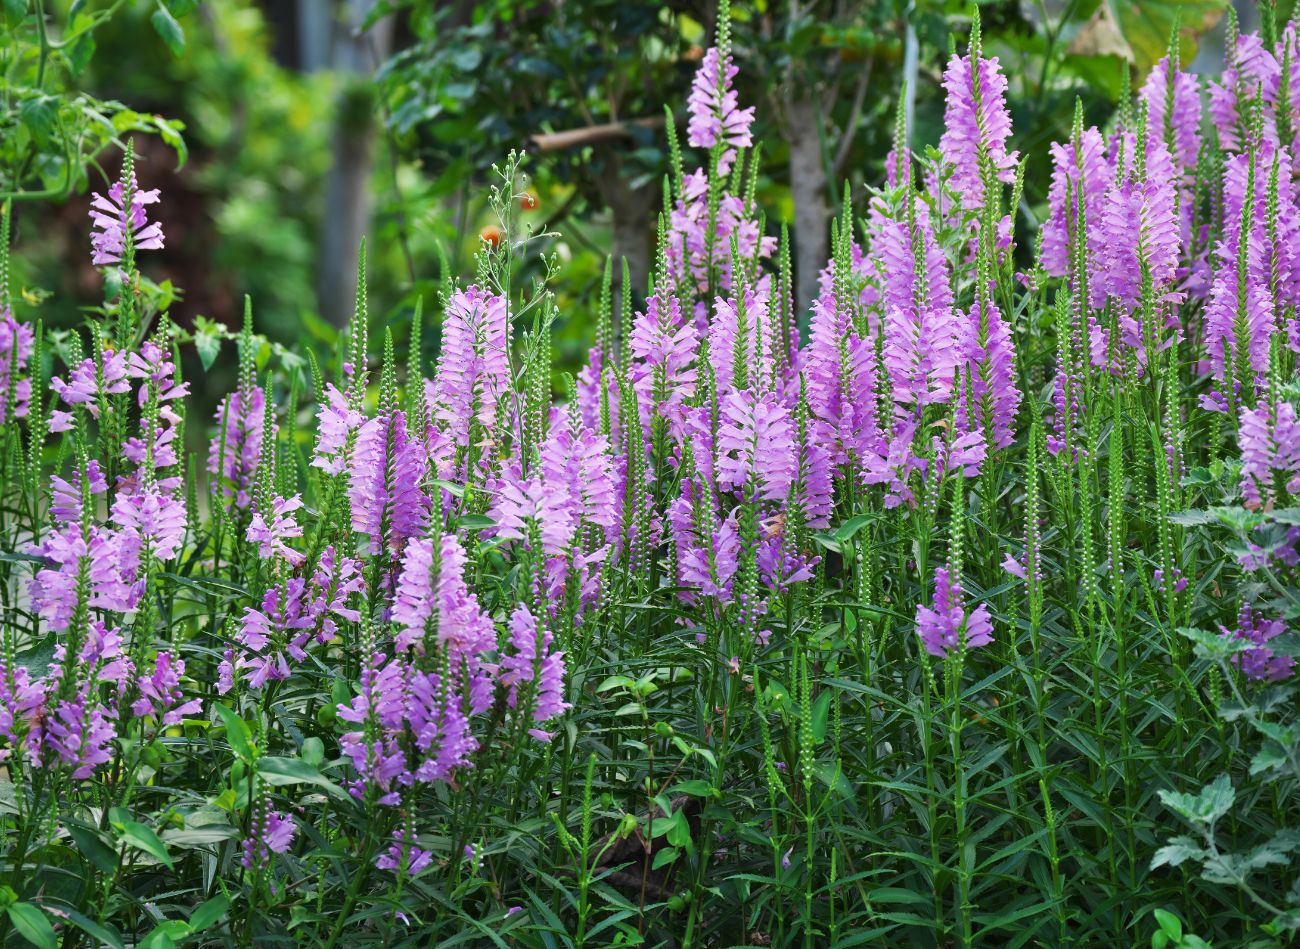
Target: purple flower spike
(975, 120)
(115, 218)
(273, 832)
(1259, 662)
(947, 626)
(533, 660)
(402, 854)
(716, 116)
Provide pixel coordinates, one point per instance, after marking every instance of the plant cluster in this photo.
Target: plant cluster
(916, 614)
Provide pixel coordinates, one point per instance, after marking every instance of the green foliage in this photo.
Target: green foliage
(811, 777)
(51, 132)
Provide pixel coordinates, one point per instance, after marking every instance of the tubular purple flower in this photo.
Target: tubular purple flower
(1259, 662)
(114, 217)
(1136, 226)
(1269, 436)
(269, 637)
(1182, 126)
(78, 732)
(994, 393)
(1251, 71)
(922, 354)
(403, 856)
(946, 625)
(441, 728)
(113, 564)
(755, 446)
(531, 659)
(716, 116)
(373, 749)
(17, 341)
(237, 459)
(83, 385)
(1220, 316)
(161, 697)
(895, 249)
(153, 516)
(705, 563)
(976, 122)
(839, 369)
(336, 421)
(519, 501)
(387, 471)
(473, 372)
(761, 335)
(695, 252)
(1083, 171)
(22, 700)
(272, 832)
(271, 538)
(663, 346)
(443, 604)
(65, 496)
(579, 462)
(780, 567)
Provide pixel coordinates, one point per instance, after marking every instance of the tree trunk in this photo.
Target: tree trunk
(808, 189)
(347, 188)
(633, 213)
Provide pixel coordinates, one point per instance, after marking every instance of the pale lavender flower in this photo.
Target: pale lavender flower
(995, 396)
(152, 516)
(22, 698)
(441, 728)
(65, 496)
(664, 345)
(336, 422)
(757, 352)
(449, 609)
(1080, 176)
(387, 470)
(1251, 71)
(273, 635)
(78, 733)
(373, 748)
(520, 501)
(473, 372)
(83, 384)
(113, 561)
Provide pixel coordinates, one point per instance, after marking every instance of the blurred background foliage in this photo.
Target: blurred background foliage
(282, 131)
